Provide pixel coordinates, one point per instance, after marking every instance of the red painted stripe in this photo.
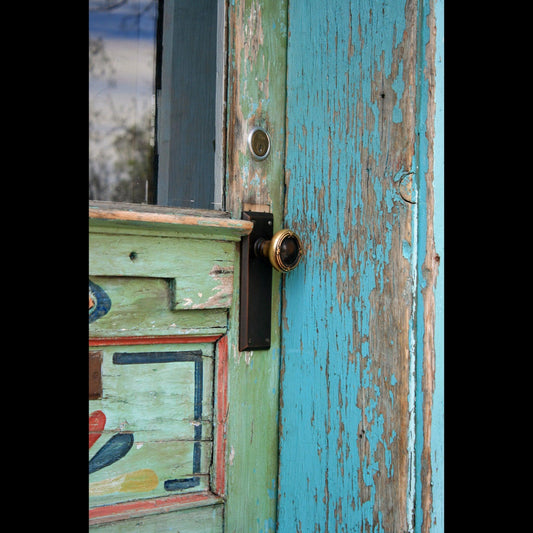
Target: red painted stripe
(165, 504)
(222, 408)
(96, 426)
(162, 339)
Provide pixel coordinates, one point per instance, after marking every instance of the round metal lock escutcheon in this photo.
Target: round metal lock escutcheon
(259, 143)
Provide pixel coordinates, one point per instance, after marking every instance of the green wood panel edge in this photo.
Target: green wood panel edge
(256, 94)
(145, 219)
(153, 508)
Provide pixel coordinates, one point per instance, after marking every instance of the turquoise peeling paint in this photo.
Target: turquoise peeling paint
(437, 421)
(336, 442)
(398, 86)
(437, 428)
(331, 347)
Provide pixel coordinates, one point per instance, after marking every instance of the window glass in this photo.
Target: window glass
(153, 102)
(122, 59)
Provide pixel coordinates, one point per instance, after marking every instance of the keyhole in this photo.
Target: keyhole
(259, 143)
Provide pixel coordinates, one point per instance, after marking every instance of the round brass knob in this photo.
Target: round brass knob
(283, 251)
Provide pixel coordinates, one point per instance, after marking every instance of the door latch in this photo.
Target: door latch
(260, 252)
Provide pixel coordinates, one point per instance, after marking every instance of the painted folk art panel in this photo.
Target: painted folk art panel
(150, 398)
(158, 304)
(150, 428)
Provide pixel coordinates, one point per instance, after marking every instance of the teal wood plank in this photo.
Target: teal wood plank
(429, 489)
(356, 374)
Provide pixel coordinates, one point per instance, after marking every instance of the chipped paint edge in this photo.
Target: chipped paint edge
(429, 427)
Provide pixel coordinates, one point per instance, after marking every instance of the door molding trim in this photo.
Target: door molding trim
(165, 504)
(143, 339)
(198, 223)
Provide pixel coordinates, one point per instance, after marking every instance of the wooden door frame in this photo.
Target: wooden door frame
(256, 96)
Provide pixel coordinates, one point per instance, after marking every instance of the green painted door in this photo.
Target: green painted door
(183, 427)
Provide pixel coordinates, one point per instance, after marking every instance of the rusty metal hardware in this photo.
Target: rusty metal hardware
(95, 375)
(260, 251)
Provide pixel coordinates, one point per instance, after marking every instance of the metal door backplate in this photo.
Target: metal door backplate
(256, 286)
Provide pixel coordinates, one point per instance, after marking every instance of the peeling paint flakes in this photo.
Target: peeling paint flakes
(352, 304)
(248, 357)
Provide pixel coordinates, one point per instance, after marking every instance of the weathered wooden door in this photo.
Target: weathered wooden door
(361, 421)
(183, 426)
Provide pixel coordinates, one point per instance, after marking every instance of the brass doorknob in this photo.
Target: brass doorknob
(283, 251)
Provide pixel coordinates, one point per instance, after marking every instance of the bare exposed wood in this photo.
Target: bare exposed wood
(195, 220)
(257, 36)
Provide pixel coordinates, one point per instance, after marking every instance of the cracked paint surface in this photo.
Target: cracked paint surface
(355, 412)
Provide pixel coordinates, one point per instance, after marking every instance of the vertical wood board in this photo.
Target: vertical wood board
(257, 36)
(355, 413)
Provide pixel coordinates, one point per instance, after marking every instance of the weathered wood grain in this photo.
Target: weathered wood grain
(353, 455)
(257, 36)
(201, 270)
(197, 519)
(430, 294)
(199, 223)
(143, 306)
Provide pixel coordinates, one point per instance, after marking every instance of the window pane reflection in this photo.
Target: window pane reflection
(122, 58)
